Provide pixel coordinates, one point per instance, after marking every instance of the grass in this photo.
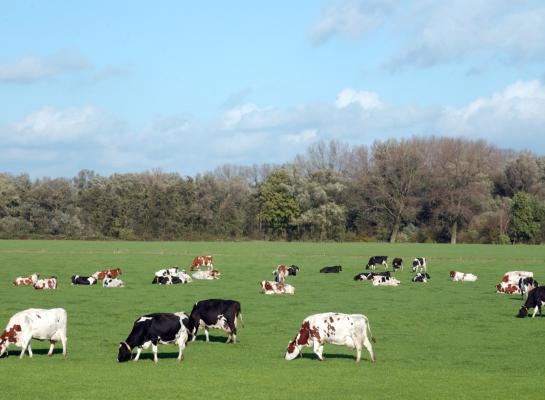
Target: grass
(437, 340)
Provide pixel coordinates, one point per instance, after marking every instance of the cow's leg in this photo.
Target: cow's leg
(369, 347)
(64, 341)
(181, 347)
(358, 352)
(535, 311)
(318, 349)
(138, 352)
(206, 334)
(29, 348)
(51, 347)
(154, 349)
(232, 323)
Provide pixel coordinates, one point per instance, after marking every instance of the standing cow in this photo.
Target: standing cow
(215, 313)
(201, 261)
(373, 261)
(351, 330)
(419, 265)
(35, 323)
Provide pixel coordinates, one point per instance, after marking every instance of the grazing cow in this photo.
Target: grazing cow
(215, 313)
(152, 329)
(419, 265)
(368, 276)
(167, 272)
(351, 330)
(112, 283)
(83, 280)
(507, 288)
(112, 273)
(462, 277)
(35, 323)
(269, 287)
(514, 276)
(397, 263)
(536, 299)
(421, 277)
(202, 261)
(25, 280)
(46, 284)
(526, 285)
(373, 261)
(207, 275)
(385, 281)
(331, 270)
(282, 271)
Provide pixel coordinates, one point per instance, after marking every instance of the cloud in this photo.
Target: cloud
(349, 18)
(29, 69)
(366, 100)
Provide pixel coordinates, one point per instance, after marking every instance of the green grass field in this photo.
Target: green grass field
(434, 341)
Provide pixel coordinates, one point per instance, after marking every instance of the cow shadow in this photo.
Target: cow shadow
(35, 352)
(329, 356)
(148, 356)
(213, 339)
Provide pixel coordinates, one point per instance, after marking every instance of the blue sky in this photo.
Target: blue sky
(188, 86)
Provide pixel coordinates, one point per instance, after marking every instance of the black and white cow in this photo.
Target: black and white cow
(419, 264)
(166, 280)
(536, 299)
(368, 276)
(421, 277)
(335, 269)
(152, 329)
(373, 261)
(215, 313)
(83, 280)
(526, 285)
(397, 263)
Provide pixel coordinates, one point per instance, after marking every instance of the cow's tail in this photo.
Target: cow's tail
(369, 332)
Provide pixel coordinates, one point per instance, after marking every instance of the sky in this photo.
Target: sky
(187, 86)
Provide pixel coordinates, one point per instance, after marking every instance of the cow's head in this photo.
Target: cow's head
(293, 350)
(7, 337)
(523, 312)
(125, 352)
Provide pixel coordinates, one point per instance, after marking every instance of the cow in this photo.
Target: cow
(26, 280)
(202, 261)
(207, 275)
(281, 272)
(373, 261)
(379, 280)
(351, 330)
(421, 277)
(167, 272)
(269, 287)
(83, 280)
(153, 329)
(462, 277)
(184, 277)
(526, 285)
(331, 270)
(46, 284)
(112, 273)
(368, 276)
(166, 280)
(514, 276)
(35, 323)
(215, 313)
(112, 283)
(419, 265)
(397, 263)
(536, 299)
(507, 288)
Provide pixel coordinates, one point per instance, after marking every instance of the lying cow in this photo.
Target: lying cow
(351, 330)
(25, 280)
(421, 277)
(152, 329)
(419, 265)
(269, 287)
(207, 275)
(385, 281)
(35, 323)
(514, 276)
(331, 270)
(167, 280)
(112, 283)
(46, 284)
(507, 288)
(373, 261)
(215, 313)
(462, 277)
(527, 284)
(167, 272)
(397, 263)
(368, 276)
(536, 299)
(112, 273)
(83, 280)
(202, 261)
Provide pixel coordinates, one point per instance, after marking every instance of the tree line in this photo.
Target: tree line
(408, 190)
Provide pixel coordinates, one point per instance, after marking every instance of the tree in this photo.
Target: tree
(525, 218)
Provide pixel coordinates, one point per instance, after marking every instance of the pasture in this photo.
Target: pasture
(442, 339)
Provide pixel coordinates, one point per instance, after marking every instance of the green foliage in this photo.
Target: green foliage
(525, 218)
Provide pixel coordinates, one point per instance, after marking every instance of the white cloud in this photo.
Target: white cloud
(33, 68)
(303, 137)
(366, 100)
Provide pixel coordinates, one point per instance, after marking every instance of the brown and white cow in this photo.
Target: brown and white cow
(507, 288)
(270, 287)
(45, 284)
(207, 275)
(457, 276)
(514, 276)
(112, 273)
(351, 330)
(26, 280)
(202, 261)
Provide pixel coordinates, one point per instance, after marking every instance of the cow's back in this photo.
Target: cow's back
(42, 323)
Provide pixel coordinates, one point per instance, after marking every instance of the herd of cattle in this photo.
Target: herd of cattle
(351, 330)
